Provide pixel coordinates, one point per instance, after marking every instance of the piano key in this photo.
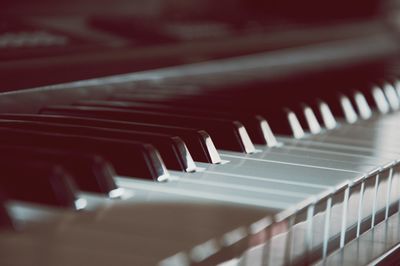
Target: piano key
(225, 104)
(173, 149)
(374, 124)
(199, 142)
(286, 171)
(90, 172)
(227, 134)
(289, 150)
(313, 158)
(129, 158)
(256, 125)
(362, 143)
(368, 131)
(339, 148)
(256, 182)
(39, 183)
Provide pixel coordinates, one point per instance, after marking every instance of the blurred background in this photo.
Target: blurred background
(46, 41)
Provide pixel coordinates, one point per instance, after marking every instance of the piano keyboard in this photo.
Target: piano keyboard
(195, 174)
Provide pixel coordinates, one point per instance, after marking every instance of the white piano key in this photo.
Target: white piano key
(298, 174)
(340, 148)
(308, 157)
(313, 152)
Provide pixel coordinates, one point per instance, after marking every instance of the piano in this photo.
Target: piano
(199, 133)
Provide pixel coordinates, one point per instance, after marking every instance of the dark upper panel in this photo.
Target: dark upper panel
(46, 42)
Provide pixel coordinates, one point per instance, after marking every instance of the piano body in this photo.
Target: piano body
(199, 133)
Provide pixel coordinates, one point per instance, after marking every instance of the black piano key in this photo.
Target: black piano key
(128, 158)
(239, 105)
(196, 101)
(199, 142)
(41, 183)
(172, 149)
(255, 124)
(227, 134)
(91, 173)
